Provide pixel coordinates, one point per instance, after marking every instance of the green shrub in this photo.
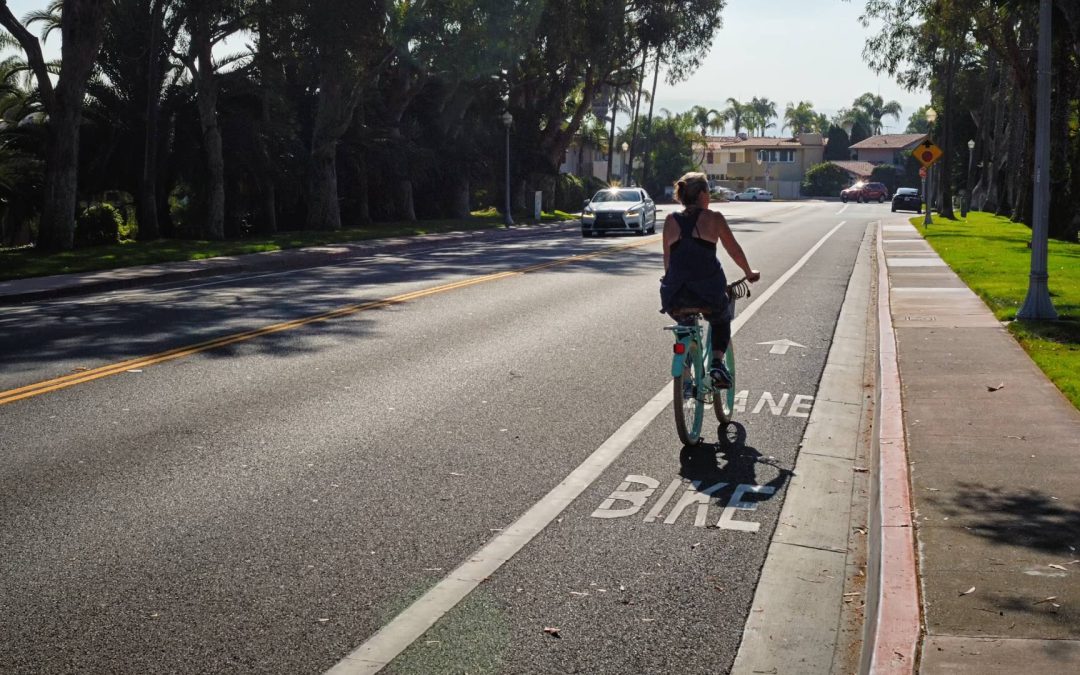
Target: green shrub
(887, 174)
(824, 180)
(569, 192)
(98, 224)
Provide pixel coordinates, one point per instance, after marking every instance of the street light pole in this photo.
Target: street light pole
(507, 120)
(625, 170)
(965, 204)
(1037, 304)
(928, 220)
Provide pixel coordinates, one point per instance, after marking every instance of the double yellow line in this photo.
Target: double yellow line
(47, 386)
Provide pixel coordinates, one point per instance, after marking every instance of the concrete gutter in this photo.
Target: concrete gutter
(799, 621)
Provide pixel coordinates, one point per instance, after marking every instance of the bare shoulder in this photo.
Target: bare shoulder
(716, 222)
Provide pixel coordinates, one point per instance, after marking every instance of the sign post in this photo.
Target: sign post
(927, 153)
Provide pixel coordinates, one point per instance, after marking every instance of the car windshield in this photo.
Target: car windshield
(617, 196)
(907, 191)
(856, 186)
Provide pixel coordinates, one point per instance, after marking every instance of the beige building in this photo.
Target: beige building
(712, 158)
(776, 164)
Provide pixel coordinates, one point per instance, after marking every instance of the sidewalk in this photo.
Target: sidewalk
(63, 285)
(994, 449)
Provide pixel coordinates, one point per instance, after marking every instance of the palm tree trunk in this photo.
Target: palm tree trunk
(648, 124)
(146, 205)
(81, 34)
(611, 136)
(637, 107)
(948, 143)
(207, 93)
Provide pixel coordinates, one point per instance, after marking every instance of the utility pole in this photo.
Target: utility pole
(1037, 305)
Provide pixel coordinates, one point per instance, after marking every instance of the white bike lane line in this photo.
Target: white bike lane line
(408, 626)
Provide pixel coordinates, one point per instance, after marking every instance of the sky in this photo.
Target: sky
(783, 50)
(789, 51)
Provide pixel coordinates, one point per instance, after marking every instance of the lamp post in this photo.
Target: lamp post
(931, 117)
(1037, 304)
(507, 120)
(965, 204)
(625, 149)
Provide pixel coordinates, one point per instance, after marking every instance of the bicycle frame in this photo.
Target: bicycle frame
(690, 349)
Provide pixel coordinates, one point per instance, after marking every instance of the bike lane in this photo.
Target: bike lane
(653, 568)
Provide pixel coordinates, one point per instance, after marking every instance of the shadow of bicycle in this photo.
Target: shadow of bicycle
(732, 461)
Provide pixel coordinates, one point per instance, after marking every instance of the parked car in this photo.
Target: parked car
(753, 194)
(907, 199)
(864, 192)
(619, 210)
(727, 194)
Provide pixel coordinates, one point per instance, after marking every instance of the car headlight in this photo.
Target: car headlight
(588, 215)
(632, 213)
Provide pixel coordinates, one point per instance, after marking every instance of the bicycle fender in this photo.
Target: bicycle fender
(678, 362)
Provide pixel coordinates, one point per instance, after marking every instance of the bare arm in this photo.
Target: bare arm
(727, 239)
(671, 235)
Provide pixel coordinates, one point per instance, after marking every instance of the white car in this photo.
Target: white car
(725, 193)
(753, 194)
(619, 210)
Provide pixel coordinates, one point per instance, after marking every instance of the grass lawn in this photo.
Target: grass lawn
(23, 263)
(990, 254)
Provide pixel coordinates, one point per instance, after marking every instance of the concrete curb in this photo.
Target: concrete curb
(66, 285)
(895, 628)
(797, 624)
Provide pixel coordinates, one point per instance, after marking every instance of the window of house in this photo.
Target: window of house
(777, 156)
(708, 158)
(734, 157)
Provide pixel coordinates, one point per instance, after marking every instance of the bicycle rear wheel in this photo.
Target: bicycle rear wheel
(689, 402)
(724, 399)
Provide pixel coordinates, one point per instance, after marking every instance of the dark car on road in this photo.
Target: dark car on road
(865, 192)
(907, 199)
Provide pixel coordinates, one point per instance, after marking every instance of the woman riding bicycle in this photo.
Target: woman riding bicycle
(693, 276)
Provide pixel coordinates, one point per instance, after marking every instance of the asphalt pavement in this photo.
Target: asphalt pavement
(461, 446)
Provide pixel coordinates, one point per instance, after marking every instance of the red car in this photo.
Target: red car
(864, 192)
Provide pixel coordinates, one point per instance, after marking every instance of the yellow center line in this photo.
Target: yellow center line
(55, 384)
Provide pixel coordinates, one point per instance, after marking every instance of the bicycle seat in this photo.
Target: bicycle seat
(686, 312)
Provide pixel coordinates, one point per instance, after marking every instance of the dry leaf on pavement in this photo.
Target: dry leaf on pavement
(1000, 386)
(969, 591)
(552, 631)
(1050, 599)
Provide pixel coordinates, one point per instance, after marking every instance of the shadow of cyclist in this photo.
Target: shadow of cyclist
(731, 461)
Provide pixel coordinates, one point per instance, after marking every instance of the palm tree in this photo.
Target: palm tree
(876, 109)
(704, 119)
(856, 122)
(735, 114)
(822, 124)
(593, 133)
(766, 110)
(800, 118)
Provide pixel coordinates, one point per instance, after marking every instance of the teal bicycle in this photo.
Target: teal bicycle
(692, 387)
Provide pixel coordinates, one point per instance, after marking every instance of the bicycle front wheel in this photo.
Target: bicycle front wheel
(689, 402)
(724, 399)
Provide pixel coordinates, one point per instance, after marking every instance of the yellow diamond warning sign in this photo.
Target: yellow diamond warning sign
(927, 153)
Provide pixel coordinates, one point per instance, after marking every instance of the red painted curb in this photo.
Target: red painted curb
(898, 626)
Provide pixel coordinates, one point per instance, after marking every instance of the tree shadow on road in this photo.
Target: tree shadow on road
(1027, 518)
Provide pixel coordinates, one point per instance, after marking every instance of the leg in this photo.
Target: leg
(720, 323)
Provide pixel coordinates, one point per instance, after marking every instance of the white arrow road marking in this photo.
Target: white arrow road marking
(781, 346)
